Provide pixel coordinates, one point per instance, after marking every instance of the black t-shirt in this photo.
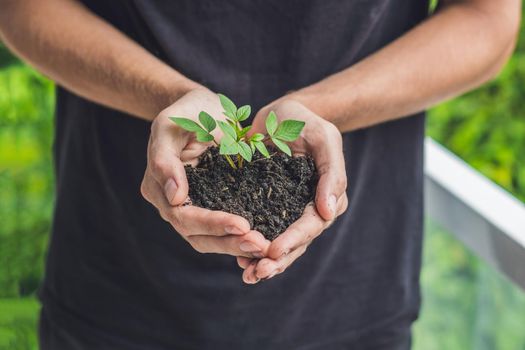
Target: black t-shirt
(118, 276)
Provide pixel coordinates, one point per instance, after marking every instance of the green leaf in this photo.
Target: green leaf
(227, 129)
(262, 148)
(207, 121)
(282, 146)
(228, 105)
(257, 137)
(203, 136)
(231, 116)
(243, 113)
(187, 124)
(228, 145)
(233, 123)
(244, 131)
(252, 146)
(289, 130)
(271, 123)
(245, 151)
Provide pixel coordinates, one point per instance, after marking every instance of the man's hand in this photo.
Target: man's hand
(322, 140)
(166, 187)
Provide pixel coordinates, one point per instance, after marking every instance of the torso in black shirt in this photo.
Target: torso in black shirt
(119, 277)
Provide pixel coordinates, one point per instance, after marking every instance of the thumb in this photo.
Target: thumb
(176, 184)
(168, 170)
(326, 197)
(332, 179)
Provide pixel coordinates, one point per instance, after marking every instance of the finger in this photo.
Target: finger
(191, 220)
(243, 262)
(168, 170)
(191, 153)
(248, 276)
(231, 244)
(330, 165)
(306, 228)
(268, 268)
(152, 192)
(342, 204)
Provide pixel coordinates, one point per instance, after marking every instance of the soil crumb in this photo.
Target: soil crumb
(270, 193)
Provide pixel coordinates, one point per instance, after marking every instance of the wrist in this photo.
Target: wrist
(336, 104)
(171, 91)
(316, 99)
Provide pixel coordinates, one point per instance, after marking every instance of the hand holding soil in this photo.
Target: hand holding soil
(322, 140)
(166, 187)
(248, 190)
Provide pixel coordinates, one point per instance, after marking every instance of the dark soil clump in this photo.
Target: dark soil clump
(270, 193)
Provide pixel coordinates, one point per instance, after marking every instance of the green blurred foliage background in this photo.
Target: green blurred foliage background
(466, 304)
(26, 195)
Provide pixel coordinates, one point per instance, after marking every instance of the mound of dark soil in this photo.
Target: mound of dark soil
(270, 193)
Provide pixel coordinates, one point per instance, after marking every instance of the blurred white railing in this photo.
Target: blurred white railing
(486, 218)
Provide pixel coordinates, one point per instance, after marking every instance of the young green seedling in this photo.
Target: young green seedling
(235, 141)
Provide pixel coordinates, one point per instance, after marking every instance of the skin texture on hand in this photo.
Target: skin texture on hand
(89, 56)
(323, 141)
(165, 185)
(463, 45)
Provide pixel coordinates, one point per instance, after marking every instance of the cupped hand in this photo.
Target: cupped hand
(323, 141)
(166, 187)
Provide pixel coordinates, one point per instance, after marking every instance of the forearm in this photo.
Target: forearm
(85, 54)
(457, 49)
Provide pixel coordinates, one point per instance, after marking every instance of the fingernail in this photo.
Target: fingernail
(332, 203)
(233, 230)
(254, 281)
(249, 247)
(170, 189)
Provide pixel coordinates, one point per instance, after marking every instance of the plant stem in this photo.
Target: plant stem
(232, 164)
(239, 161)
(230, 161)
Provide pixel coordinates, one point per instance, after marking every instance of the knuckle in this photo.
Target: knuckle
(222, 218)
(155, 123)
(273, 253)
(309, 237)
(298, 236)
(281, 250)
(208, 224)
(341, 183)
(173, 216)
(197, 245)
(199, 248)
(264, 266)
(164, 216)
(332, 131)
(158, 165)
